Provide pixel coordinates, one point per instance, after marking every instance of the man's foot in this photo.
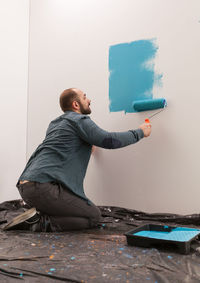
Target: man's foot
(23, 221)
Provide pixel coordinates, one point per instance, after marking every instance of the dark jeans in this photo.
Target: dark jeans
(65, 210)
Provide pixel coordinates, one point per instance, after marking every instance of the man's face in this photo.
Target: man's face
(84, 102)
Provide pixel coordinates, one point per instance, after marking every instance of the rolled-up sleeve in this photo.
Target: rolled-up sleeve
(94, 135)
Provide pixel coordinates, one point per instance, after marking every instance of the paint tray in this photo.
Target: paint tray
(163, 236)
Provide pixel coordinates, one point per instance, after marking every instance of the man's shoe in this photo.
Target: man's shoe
(23, 221)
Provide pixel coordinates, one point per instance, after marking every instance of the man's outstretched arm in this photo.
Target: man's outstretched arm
(94, 135)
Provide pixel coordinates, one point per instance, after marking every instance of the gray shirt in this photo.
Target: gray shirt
(64, 154)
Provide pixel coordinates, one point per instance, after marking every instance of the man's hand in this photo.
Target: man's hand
(146, 127)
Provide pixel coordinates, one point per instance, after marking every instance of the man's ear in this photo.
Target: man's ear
(75, 105)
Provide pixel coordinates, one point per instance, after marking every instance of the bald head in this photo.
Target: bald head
(67, 97)
(73, 99)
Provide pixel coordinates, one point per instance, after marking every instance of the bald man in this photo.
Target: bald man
(52, 181)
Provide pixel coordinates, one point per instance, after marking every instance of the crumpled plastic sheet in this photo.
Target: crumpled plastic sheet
(131, 216)
(95, 255)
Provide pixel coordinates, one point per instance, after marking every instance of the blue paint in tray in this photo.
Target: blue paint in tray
(180, 234)
(132, 75)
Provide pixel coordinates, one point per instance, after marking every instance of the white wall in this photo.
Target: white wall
(69, 44)
(14, 24)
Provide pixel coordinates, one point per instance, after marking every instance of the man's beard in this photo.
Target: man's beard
(84, 110)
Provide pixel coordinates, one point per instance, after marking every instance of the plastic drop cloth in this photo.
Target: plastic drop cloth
(95, 255)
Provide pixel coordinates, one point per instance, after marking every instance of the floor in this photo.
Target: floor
(96, 255)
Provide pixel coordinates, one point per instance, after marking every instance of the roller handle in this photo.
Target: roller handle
(147, 120)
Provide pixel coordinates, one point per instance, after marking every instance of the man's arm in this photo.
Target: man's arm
(94, 135)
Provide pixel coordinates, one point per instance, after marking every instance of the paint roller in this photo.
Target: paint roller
(150, 104)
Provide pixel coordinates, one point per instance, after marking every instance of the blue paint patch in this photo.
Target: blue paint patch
(121, 249)
(128, 255)
(132, 75)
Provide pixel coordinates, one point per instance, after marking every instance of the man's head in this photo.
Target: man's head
(73, 99)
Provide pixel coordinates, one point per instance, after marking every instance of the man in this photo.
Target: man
(52, 181)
